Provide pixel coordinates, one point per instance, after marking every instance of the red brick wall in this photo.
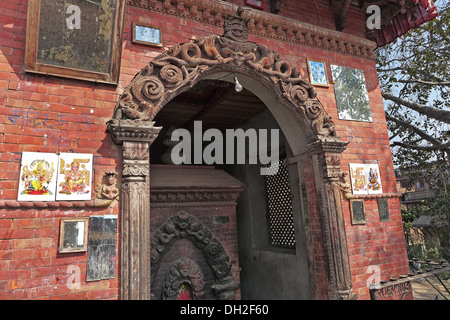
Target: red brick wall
(30, 266)
(318, 13)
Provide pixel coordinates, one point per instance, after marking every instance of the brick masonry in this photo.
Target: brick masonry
(75, 113)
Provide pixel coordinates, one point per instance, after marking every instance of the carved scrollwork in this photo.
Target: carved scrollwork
(182, 65)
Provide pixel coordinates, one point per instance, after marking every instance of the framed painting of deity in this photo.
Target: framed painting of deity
(365, 178)
(358, 178)
(74, 176)
(79, 40)
(37, 180)
(147, 34)
(317, 73)
(373, 179)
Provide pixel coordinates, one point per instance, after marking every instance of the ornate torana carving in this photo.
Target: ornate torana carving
(184, 280)
(184, 226)
(182, 66)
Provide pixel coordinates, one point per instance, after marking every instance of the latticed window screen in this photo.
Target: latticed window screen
(279, 207)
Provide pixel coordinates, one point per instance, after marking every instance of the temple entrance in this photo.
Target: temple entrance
(310, 142)
(270, 211)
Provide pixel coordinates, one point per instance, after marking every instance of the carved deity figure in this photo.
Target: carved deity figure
(108, 190)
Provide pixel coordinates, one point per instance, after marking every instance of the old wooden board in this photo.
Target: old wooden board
(102, 247)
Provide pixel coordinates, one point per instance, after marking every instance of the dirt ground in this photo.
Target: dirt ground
(422, 290)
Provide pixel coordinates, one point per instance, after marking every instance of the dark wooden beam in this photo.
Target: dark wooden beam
(340, 18)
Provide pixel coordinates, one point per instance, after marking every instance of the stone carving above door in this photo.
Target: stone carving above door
(184, 226)
(182, 66)
(184, 280)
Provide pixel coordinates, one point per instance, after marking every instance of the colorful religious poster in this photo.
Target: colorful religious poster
(74, 176)
(358, 178)
(37, 180)
(365, 178)
(373, 179)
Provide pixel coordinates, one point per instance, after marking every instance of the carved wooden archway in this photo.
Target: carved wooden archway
(179, 69)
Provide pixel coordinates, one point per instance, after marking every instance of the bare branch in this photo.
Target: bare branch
(438, 114)
(430, 83)
(416, 130)
(443, 147)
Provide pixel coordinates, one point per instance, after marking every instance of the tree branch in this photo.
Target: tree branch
(443, 147)
(422, 134)
(430, 83)
(438, 114)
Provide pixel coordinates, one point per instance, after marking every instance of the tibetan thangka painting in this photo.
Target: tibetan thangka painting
(74, 176)
(37, 177)
(365, 178)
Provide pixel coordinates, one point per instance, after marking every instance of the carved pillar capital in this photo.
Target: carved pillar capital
(132, 130)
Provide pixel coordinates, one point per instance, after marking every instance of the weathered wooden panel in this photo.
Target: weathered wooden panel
(101, 262)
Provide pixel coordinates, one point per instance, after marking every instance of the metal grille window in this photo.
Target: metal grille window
(279, 207)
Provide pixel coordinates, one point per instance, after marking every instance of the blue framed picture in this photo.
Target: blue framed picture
(317, 73)
(147, 34)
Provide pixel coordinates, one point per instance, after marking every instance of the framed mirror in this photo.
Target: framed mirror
(73, 235)
(350, 89)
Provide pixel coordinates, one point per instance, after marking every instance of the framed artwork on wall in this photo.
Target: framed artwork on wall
(37, 180)
(74, 176)
(317, 73)
(259, 4)
(81, 41)
(73, 235)
(147, 34)
(365, 178)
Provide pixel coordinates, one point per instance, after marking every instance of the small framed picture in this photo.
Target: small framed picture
(147, 34)
(317, 73)
(255, 3)
(73, 235)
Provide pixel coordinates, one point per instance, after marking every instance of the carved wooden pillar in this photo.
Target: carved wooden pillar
(326, 160)
(136, 138)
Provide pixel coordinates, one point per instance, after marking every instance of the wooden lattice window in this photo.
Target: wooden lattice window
(279, 207)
